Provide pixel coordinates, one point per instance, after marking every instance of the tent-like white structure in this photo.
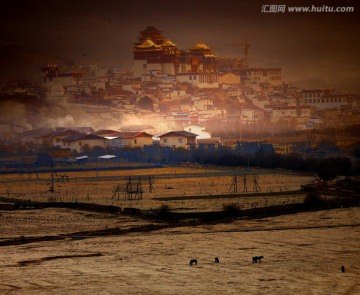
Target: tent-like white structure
(106, 157)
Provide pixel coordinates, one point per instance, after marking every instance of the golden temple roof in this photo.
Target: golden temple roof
(200, 45)
(147, 44)
(168, 43)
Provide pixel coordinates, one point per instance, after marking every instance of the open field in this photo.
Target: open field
(183, 189)
(65, 251)
(303, 254)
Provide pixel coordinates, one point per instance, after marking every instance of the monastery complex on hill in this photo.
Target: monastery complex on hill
(170, 95)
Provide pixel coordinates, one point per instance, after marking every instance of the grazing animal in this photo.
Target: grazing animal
(193, 261)
(217, 260)
(256, 259)
(343, 269)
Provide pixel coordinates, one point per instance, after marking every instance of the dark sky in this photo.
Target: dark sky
(321, 49)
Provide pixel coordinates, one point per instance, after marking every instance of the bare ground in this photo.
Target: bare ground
(303, 252)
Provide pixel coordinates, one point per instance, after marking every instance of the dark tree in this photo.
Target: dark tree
(146, 103)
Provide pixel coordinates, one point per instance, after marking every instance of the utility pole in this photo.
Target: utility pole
(116, 192)
(52, 177)
(234, 185)
(151, 187)
(245, 187)
(256, 187)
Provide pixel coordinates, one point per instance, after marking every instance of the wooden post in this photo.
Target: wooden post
(116, 192)
(52, 177)
(234, 185)
(245, 187)
(256, 188)
(151, 188)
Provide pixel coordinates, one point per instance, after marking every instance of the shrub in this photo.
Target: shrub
(232, 209)
(313, 200)
(164, 210)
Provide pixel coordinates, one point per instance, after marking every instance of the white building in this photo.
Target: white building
(178, 139)
(296, 115)
(200, 131)
(220, 114)
(324, 99)
(55, 83)
(200, 80)
(132, 87)
(251, 115)
(271, 76)
(202, 103)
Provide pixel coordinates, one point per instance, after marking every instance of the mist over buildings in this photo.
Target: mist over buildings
(314, 50)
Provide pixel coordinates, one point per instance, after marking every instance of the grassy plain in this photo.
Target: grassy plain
(182, 188)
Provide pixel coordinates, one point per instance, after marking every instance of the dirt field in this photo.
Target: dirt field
(174, 185)
(303, 254)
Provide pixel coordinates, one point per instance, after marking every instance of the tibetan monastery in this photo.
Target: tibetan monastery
(155, 54)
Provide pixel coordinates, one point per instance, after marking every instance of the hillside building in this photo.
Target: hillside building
(178, 139)
(271, 76)
(200, 131)
(323, 99)
(81, 142)
(154, 53)
(55, 83)
(129, 140)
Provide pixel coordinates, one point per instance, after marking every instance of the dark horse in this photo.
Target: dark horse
(193, 261)
(256, 259)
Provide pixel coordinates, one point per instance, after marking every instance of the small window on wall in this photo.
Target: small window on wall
(180, 140)
(165, 140)
(135, 141)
